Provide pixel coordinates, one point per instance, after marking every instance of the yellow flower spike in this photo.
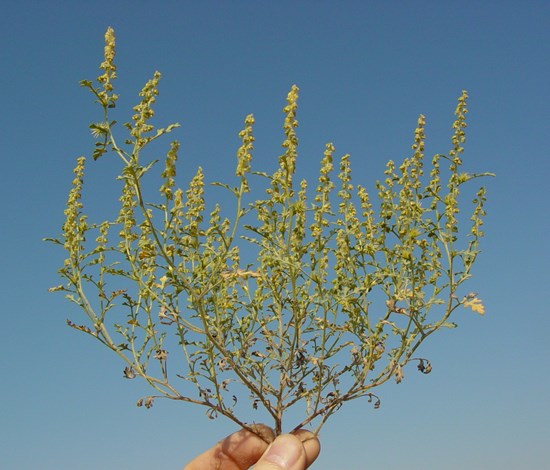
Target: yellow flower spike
(108, 98)
(244, 153)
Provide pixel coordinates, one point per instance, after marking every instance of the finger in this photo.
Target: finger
(288, 452)
(239, 451)
(311, 445)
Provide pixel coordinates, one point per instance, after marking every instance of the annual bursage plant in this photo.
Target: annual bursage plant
(306, 297)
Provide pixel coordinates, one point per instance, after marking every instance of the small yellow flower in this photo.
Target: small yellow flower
(162, 282)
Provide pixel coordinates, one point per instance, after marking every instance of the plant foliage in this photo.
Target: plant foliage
(343, 290)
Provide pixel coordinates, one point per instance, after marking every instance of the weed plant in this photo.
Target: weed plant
(343, 290)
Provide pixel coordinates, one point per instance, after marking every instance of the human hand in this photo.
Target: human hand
(243, 449)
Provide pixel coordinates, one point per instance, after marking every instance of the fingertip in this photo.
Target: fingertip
(296, 451)
(238, 451)
(311, 444)
(285, 453)
(264, 432)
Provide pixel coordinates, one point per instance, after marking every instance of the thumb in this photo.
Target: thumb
(286, 452)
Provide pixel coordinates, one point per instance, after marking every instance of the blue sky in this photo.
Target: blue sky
(365, 71)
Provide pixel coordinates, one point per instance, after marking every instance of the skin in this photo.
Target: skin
(243, 449)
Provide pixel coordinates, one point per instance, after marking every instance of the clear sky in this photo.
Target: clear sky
(365, 70)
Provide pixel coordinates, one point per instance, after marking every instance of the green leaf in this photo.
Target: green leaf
(99, 151)
(52, 240)
(233, 190)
